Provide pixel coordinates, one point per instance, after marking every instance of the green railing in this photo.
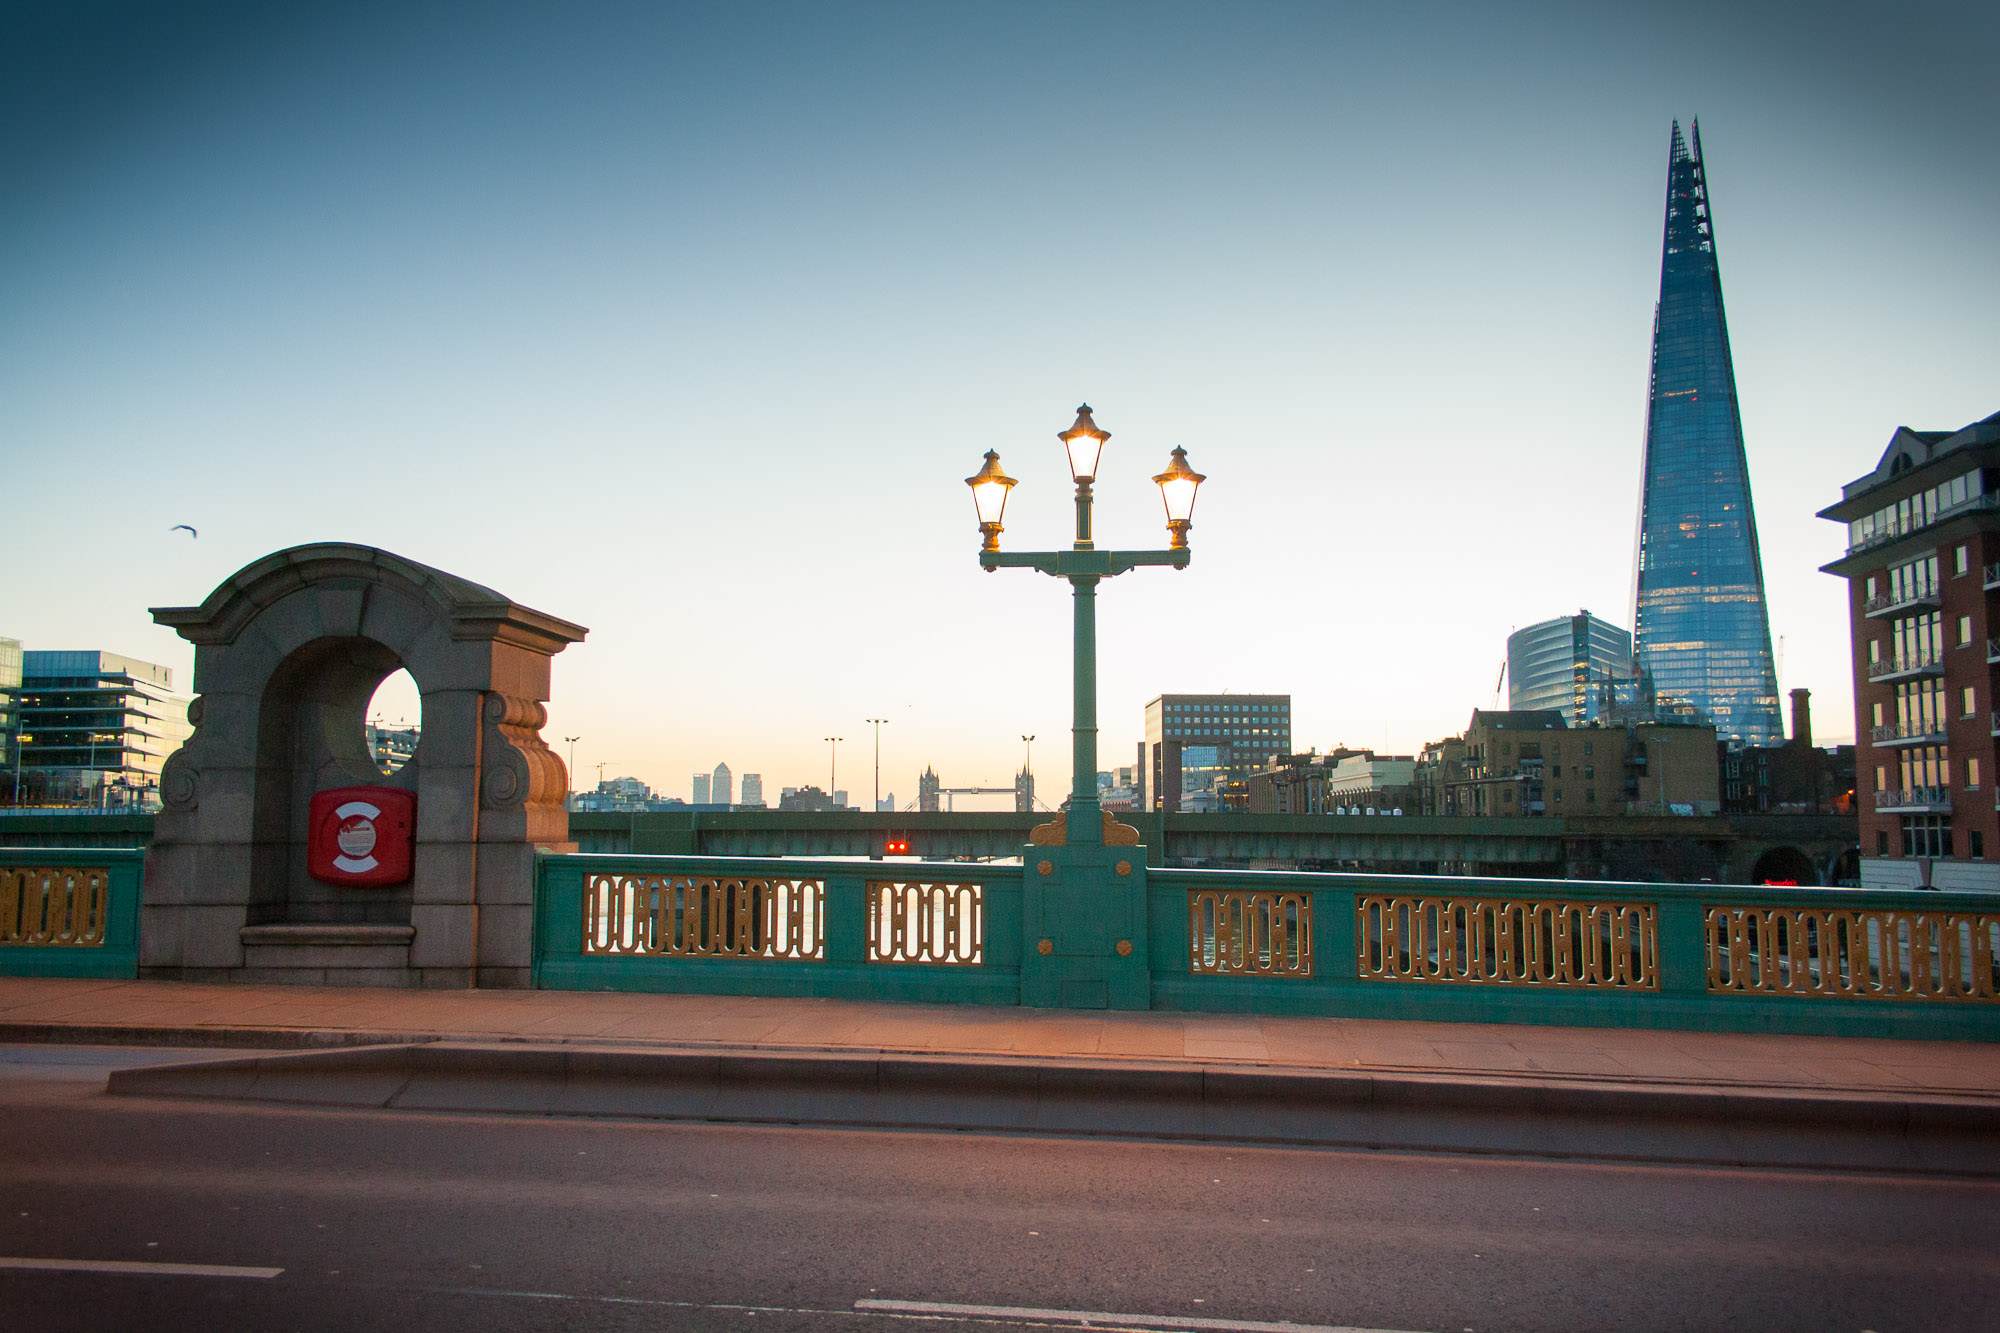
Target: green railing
(69, 912)
(883, 930)
(1720, 958)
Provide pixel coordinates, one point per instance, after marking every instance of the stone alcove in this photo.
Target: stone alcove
(287, 653)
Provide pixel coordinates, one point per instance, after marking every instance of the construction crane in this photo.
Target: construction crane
(1500, 680)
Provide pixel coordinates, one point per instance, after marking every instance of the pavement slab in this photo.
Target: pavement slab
(35, 1008)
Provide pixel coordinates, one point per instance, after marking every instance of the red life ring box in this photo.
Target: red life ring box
(362, 837)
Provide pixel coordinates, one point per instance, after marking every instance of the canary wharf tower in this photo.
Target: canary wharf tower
(1701, 631)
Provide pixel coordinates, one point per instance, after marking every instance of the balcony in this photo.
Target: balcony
(1923, 664)
(1915, 733)
(1914, 801)
(1992, 578)
(1996, 730)
(1984, 500)
(1888, 604)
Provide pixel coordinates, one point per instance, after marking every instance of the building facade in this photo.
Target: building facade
(10, 681)
(700, 793)
(1923, 568)
(1573, 664)
(721, 786)
(753, 789)
(1530, 764)
(1198, 743)
(93, 728)
(1701, 630)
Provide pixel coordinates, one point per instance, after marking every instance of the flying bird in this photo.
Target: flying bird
(182, 527)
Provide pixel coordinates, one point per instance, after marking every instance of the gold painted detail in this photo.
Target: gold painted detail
(1505, 941)
(926, 922)
(1123, 867)
(691, 916)
(1045, 867)
(1124, 948)
(1870, 954)
(1234, 932)
(1056, 832)
(54, 906)
(1045, 947)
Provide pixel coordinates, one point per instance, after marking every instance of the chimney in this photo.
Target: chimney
(1802, 716)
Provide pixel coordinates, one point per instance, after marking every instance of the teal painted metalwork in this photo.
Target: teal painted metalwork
(1688, 986)
(40, 917)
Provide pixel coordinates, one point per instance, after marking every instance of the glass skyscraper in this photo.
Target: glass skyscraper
(1702, 633)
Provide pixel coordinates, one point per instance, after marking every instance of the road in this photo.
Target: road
(381, 1219)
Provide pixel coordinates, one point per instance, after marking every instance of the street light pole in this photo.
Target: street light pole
(572, 758)
(877, 722)
(1084, 566)
(833, 764)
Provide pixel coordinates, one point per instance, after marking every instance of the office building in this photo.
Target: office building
(94, 728)
(701, 781)
(1203, 743)
(1701, 631)
(721, 785)
(1572, 664)
(1923, 566)
(753, 789)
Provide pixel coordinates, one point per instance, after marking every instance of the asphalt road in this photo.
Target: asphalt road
(380, 1220)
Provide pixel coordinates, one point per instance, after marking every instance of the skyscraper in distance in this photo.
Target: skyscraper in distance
(721, 786)
(1701, 630)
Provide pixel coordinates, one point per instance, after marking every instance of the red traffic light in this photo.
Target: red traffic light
(896, 844)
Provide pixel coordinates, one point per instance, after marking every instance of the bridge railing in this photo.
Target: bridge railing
(69, 912)
(1708, 957)
(860, 929)
(1700, 957)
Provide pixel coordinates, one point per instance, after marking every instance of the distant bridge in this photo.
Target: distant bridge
(1740, 849)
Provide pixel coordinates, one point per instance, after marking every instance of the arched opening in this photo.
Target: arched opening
(312, 736)
(1784, 865)
(394, 721)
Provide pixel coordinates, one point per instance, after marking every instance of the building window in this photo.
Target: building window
(1590, 796)
(1507, 795)
(1960, 563)
(1506, 747)
(1874, 651)
(1589, 771)
(1878, 714)
(1589, 748)
(1964, 631)
(1559, 795)
(1927, 835)
(1881, 778)
(1870, 593)
(1975, 840)
(1972, 772)
(1881, 842)
(1969, 698)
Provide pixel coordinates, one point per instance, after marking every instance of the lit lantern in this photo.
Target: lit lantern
(1178, 485)
(989, 496)
(1085, 443)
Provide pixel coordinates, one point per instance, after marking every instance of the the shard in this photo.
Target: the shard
(1701, 630)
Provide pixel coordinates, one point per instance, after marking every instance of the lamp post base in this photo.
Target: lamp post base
(1083, 918)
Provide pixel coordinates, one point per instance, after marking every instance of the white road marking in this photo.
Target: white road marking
(138, 1268)
(1094, 1318)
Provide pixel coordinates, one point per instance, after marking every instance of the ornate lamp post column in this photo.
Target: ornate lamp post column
(1087, 904)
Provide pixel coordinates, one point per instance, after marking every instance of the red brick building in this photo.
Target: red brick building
(1923, 572)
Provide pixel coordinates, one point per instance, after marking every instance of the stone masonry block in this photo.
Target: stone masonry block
(442, 873)
(339, 610)
(447, 936)
(213, 935)
(506, 937)
(506, 874)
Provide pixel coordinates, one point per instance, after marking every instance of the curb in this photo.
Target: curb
(1071, 1098)
(239, 1038)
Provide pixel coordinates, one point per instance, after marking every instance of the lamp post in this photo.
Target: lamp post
(876, 722)
(1084, 566)
(833, 764)
(572, 756)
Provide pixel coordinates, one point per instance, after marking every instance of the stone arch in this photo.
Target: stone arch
(1780, 864)
(287, 653)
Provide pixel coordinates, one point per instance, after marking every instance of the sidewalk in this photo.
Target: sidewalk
(182, 1014)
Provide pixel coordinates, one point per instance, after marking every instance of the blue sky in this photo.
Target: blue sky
(687, 322)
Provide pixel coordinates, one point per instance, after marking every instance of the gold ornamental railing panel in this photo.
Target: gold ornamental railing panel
(1880, 953)
(1250, 933)
(1506, 941)
(924, 921)
(54, 906)
(697, 916)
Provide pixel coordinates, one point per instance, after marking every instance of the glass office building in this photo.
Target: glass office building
(1573, 664)
(1702, 633)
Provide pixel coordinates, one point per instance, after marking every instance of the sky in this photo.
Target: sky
(688, 322)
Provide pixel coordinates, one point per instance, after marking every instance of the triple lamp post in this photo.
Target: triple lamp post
(1085, 566)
